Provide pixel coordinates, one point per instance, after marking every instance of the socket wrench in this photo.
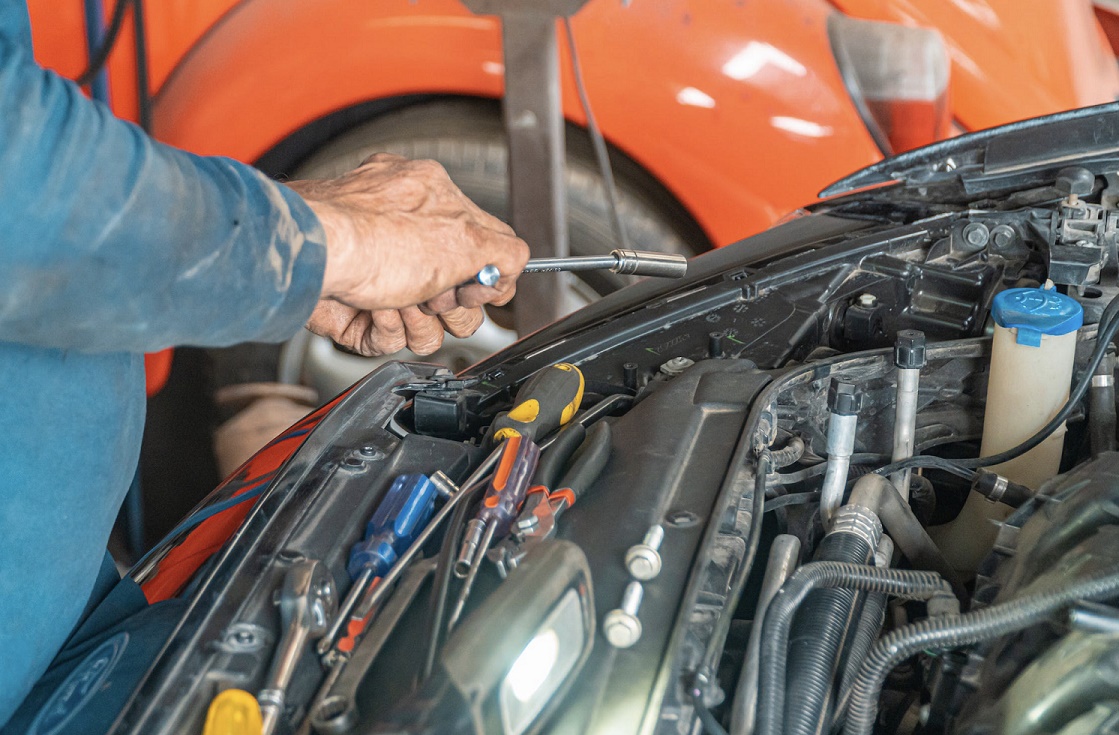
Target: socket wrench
(307, 603)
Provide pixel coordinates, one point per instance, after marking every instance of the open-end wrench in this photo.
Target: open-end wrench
(624, 262)
(307, 603)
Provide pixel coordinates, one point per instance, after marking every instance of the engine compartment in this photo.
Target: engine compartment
(722, 397)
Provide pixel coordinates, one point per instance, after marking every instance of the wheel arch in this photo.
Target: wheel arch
(726, 163)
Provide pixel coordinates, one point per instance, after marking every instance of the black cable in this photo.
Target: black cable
(99, 57)
(711, 726)
(597, 141)
(783, 501)
(955, 631)
(143, 82)
(954, 466)
(441, 583)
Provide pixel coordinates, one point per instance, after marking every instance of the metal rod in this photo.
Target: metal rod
(783, 556)
(577, 263)
(355, 593)
(905, 426)
(468, 584)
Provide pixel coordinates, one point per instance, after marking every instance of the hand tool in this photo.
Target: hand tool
(542, 509)
(547, 401)
(233, 712)
(401, 514)
(377, 593)
(307, 603)
(622, 262)
(334, 711)
(497, 512)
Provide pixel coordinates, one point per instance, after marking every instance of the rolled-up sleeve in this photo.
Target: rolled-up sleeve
(110, 241)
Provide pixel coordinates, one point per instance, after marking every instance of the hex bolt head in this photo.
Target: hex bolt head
(844, 398)
(867, 300)
(621, 629)
(976, 235)
(1003, 236)
(621, 625)
(909, 350)
(643, 560)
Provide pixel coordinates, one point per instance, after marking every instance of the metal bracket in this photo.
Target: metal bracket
(533, 114)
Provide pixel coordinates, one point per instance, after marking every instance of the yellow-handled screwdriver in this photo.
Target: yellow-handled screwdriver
(547, 401)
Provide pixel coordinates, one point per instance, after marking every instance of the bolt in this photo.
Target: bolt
(1002, 236)
(976, 235)
(643, 560)
(629, 375)
(621, 626)
(371, 452)
(867, 300)
(715, 345)
(676, 365)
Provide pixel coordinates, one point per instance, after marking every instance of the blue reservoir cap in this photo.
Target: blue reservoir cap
(1035, 312)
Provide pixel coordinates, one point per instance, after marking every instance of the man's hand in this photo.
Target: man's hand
(399, 233)
(383, 332)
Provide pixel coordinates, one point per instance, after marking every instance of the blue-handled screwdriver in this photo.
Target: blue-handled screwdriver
(401, 515)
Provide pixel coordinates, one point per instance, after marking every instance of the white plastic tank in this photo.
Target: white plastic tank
(1032, 357)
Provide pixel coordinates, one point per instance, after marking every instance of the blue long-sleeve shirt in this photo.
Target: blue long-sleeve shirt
(111, 245)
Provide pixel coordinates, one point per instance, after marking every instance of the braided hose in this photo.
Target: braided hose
(779, 617)
(953, 631)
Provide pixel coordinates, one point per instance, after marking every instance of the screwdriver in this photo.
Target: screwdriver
(497, 513)
(542, 508)
(405, 509)
(547, 401)
(623, 262)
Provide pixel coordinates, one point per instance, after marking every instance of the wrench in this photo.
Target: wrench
(307, 603)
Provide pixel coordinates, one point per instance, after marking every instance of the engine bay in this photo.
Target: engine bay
(793, 523)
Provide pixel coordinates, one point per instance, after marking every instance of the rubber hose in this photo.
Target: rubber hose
(787, 455)
(866, 633)
(818, 633)
(778, 619)
(953, 631)
(1101, 407)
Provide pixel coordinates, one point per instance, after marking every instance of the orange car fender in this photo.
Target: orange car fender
(737, 108)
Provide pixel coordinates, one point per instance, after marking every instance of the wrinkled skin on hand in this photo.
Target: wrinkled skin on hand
(401, 241)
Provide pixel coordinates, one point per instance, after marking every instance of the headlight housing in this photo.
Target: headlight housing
(514, 658)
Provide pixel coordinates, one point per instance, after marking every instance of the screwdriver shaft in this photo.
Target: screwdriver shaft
(460, 603)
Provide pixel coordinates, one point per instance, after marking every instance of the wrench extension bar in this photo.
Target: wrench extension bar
(623, 262)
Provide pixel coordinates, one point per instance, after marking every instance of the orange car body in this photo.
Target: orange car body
(738, 109)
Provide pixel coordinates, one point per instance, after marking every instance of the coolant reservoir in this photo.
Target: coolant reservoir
(1032, 356)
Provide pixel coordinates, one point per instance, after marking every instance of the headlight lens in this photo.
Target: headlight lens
(543, 665)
